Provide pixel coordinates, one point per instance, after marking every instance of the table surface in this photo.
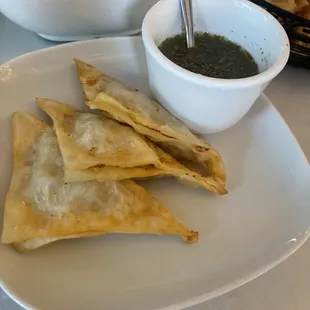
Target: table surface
(286, 287)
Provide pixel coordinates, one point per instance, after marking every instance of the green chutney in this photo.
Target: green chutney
(213, 56)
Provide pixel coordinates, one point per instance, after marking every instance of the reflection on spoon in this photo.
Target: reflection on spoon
(187, 14)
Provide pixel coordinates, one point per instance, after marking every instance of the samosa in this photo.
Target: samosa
(40, 207)
(95, 147)
(148, 118)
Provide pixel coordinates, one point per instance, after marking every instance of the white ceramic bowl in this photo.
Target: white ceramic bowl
(209, 105)
(67, 20)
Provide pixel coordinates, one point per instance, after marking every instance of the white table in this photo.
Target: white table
(287, 286)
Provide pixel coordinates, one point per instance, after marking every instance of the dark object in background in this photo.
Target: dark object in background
(298, 31)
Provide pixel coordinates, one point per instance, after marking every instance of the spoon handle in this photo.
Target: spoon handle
(187, 13)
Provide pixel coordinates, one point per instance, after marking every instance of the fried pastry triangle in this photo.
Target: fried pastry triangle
(90, 142)
(96, 147)
(39, 204)
(148, 118)
(67, 122)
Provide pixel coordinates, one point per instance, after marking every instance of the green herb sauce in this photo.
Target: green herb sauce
(213, 56)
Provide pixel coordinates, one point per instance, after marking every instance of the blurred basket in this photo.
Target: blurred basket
(298, 31)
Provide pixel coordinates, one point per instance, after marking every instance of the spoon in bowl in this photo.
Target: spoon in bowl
(187, 14)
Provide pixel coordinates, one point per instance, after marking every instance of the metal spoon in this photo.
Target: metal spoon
(187, 13)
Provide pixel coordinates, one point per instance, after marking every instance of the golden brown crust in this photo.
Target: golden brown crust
(108, 173)
(136, 211)
(23, 135)
(292, 6)
(117, 133)
(305, 12)
(154, 121)
(184, 175)
(129, 151)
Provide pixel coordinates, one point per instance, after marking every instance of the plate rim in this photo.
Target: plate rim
(202, 297)
(68, 45)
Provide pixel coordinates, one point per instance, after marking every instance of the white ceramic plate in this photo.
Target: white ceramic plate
(263, 220)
